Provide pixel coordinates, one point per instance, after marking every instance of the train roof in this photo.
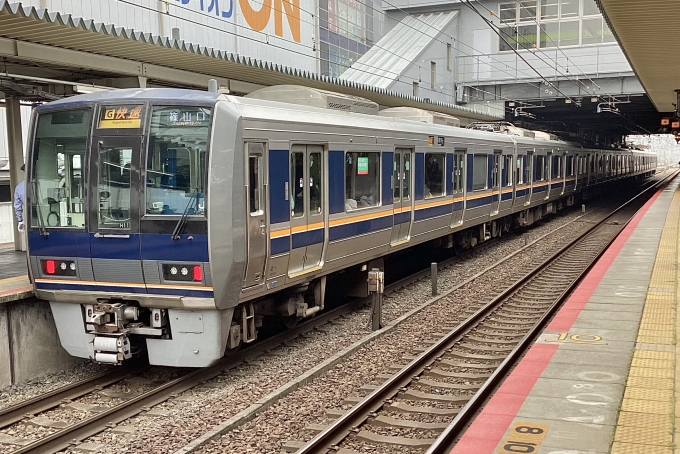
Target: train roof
(277, 110)
(136, 94)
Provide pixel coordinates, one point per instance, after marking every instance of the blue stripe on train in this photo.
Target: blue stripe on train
(506, 196)
(303, 239)
(540, 188)
(474, 203)
(401, 218)
(154, 246)
(357, 228)
(432, 212)
(161, 246)
(280, 245)
(71, 285)
(555, 185)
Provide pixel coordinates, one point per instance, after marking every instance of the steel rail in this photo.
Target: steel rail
(444, 442)
(54, 398)
(91, 426)
(358, 414)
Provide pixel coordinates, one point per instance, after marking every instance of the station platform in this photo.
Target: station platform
(604, 376)
(14, 283)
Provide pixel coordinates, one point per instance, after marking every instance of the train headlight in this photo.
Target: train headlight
(58, 267)
(183, 272)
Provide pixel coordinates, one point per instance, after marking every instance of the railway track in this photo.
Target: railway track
(460, 370)
(76, 433)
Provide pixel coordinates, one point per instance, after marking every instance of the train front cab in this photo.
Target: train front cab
(118, 236)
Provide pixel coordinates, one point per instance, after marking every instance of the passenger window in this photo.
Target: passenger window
(254, 183)
(434, 175)
(519, 175)
(479, 168)
(396, 176)
(297, 183)
(507, 169)
(114, 187)
(556, 166)
(362, 180)
(540, 168)
(315, 183)
(495, 171)
(406, 180)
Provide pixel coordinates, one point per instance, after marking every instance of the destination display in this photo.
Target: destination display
(127, 116)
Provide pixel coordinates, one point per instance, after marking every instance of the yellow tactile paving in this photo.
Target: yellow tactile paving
(630, 448)
(646, 354)
(649, 383)
(647, 406)
(656, 347)
(627, 418)
(651, 373)
(667, 340)
(657, 436)
(653, 363)
(646, 422)
(663, 395)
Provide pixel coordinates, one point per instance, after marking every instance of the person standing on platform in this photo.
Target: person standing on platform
(19, 196)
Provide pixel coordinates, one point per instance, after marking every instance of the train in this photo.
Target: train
(174, 223)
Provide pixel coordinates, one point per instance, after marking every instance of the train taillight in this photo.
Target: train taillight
(182, 272)
(59, 267)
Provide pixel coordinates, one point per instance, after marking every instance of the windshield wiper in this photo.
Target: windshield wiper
(179, 228)
(41, 222)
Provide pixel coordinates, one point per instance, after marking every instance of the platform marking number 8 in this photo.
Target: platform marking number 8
(523, 438)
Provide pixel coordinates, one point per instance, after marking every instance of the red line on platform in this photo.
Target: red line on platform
(493, 421)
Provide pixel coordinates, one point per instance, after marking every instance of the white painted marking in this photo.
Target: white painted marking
(593, 376)
(579, 399)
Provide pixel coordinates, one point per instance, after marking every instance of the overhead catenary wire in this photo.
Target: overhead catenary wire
(500, 35)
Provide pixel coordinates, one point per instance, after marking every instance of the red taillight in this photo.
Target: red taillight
(50, 267)
(198, 273)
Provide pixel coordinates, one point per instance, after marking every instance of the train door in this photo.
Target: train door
(458, 176)
(307, 208)
(114, 221)
(401, 188)
(257, 215)
(496, 185)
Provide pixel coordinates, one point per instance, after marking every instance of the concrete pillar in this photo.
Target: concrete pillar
(16, 156)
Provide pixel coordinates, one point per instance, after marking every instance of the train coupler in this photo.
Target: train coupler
(112, 349)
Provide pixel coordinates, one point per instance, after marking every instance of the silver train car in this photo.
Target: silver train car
(174, 221)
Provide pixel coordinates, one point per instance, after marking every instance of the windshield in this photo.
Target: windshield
(58, 157)
(175, 166)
